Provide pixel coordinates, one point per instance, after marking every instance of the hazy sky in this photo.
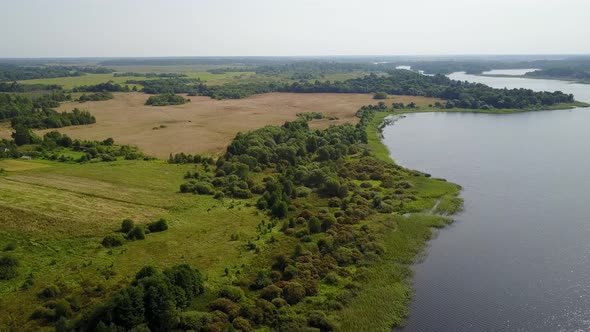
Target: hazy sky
(44, 28)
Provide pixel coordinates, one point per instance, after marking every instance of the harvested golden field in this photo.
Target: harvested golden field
(206, 125)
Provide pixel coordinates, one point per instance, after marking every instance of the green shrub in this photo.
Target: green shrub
(231, 292)
(226, 306)
(158, 226)
(242, 324)
(271, 292)
(49, 292)
(293, 292)
(62, 309)
(194, 320)
(111, 241)
(42, 313)
(331, 278)
(127, 225)
(10, 246)
(319, 320)
(136, 233)
(8, 267)
(380, 95)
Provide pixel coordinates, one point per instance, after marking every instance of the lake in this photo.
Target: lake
(518, 257)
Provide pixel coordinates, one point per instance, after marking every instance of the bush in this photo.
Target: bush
(62, 309)
(137, 233)
(319, 320)
(231, 292)
(8, 267)
(194, 320)
(226, 306)
(271, 292)
(293, 292)
(49, 292)
(127, 225)
(158, 226)
(331, 278)
(242, 324)
(111, 241)
(380, 95)
(42, 313)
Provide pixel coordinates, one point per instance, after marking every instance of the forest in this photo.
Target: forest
(149, 75)
(37, 113)
(11, 72)
(396, 82)
(101, 87)
(19, 88)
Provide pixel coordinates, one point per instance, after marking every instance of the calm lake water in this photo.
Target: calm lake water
(513, 72)
(518, 257)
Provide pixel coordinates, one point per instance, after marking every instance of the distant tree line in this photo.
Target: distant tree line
(224, 70)
(148, 75)
(101, 87)
(37, 113)
(15, 87)
(10, 72)
(192, 86)
(48, 118)
(582, 74)
(103, 95)
(396, 82)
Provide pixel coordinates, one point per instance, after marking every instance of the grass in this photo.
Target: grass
(57, 216)
(92, 79)
(386, 293)
(205, 125)
(11, 165)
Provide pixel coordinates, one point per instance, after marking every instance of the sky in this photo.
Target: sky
(121, 28)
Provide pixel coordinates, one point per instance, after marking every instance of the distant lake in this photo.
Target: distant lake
(518, 257)
(511, 72)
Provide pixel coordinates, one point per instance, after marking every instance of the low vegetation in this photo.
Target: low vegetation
(166, 99)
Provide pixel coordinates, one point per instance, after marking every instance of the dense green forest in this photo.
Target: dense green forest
(109, 86)
(55, 146)
(582, 74)
(148, 75)
(10, 72)
(396, 82)
(192, 86)
(38, 113)
(18, 87)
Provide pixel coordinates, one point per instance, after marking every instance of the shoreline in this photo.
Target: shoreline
(384, 302)
(388, 294)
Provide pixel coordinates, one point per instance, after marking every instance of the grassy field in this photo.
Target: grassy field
(58, 214)
(205, 125)
(91, 79)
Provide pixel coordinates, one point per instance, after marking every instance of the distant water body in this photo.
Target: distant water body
(518, 257)
(509, 72)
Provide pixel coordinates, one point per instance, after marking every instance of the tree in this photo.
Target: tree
(127, 225)
(380, 95)
(23, 135)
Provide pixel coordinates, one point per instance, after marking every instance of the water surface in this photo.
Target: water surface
(509, 72)
(518, 257)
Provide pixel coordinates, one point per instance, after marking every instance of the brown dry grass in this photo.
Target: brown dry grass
(206, 125)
